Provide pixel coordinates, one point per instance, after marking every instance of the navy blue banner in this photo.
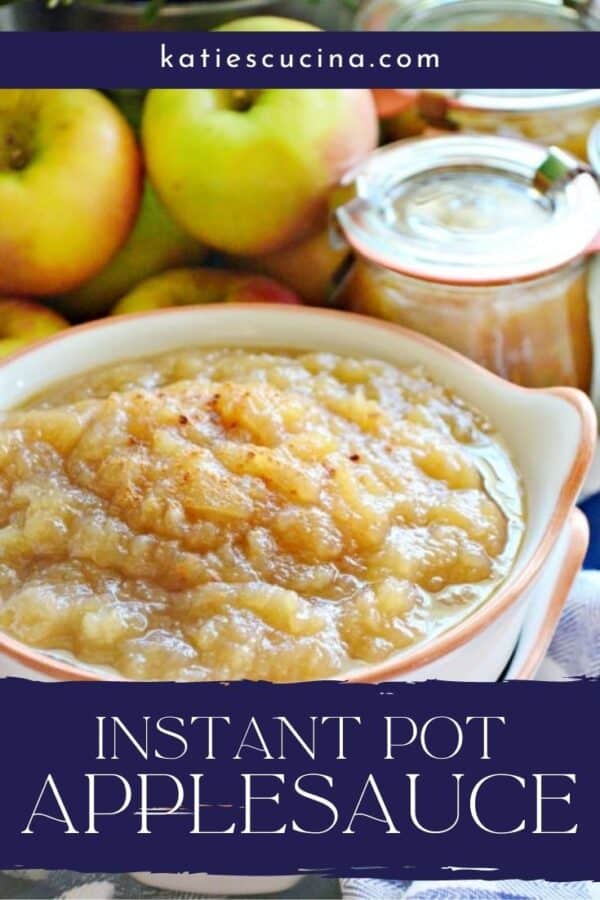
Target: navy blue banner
(408, 780)
(300, 60)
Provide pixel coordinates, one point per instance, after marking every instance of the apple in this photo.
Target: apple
(399, 113)
(130, 102)
(408, 113)
(310, 267)
(190, 287)
(267, 23)
(249, 171)
(22, 323)
(156, 243)
(69, 188)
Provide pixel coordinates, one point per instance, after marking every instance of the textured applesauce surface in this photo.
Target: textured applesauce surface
(221, 514)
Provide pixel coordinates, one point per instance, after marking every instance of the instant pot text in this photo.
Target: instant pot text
(266, 799)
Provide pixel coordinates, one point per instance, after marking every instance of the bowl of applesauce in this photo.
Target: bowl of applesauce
(274, 493)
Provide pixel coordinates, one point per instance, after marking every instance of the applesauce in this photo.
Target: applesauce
(238, 513)
(484, 244)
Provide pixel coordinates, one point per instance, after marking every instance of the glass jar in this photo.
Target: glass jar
(478, 15)
(482, 243)
(562, 118)
(551, 117)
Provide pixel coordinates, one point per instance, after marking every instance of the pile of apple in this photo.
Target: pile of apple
(97, 217)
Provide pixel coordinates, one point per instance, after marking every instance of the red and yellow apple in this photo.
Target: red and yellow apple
(249, 171)
(69, 188)
(192, 287)
(155, 244)
(399, 113)
(22, 323)
(309, 267)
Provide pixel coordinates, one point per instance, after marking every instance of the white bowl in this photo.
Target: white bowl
(550, 433)
(211, 885)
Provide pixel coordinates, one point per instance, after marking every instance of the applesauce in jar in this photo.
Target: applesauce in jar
(482, 243)
(594, 149)
(237, 513)
(559, 118)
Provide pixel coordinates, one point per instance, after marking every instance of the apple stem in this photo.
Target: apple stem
(17, 156)
(242, 99)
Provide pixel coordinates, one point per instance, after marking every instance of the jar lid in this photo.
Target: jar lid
(523, 101)
(480, 15)
(594, 149)
(471, 209)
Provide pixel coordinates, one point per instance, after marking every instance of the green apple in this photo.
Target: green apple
(156, 243)
(69, 188)
(23, 323)
(249, 171)
(192, 287)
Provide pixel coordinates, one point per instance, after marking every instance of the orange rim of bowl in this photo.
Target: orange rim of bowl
(457, 635)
